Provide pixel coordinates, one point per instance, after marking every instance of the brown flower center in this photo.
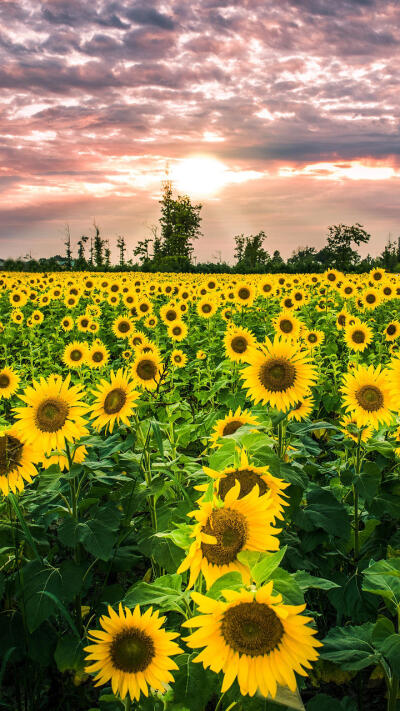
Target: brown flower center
(231, 427)
(331, 277)
(387, 290)
(370, 398)
(312, 338)
(114, 402)
(132, 650)
(10, 454)
(277, 374)
(51, 415)
(98, 356)
(391, 329)
(239, 344)
(4, 380)
(146, 369)
(76, 355)
(247, 480)
(84, 322)
(251, 628)
(266, 288)
(124, 326)
(286, 325)
(358, 336)
(206, 308)
(177, 330)
(341, 319)
(370, 298)
(171, 315)
(244, 293)
(230, 530)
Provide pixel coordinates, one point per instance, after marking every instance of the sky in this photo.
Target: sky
(276, 116)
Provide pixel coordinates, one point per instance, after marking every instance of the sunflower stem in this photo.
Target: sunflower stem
(127, 703)
(355, 497)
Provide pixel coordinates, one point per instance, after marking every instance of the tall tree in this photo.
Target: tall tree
(98, 247)
(107, 255)
(121, 244)
(81, 261)
(68, 251)
(180, 224)
(339, 249)
(250, 253)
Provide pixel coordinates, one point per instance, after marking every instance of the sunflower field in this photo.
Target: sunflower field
(200, 492)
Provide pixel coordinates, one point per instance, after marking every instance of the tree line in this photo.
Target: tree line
(170, 249)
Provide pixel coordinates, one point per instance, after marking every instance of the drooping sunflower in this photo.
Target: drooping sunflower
(97, 356)
(75, 354)
(238, 341)
(146, 370)
(368, 395)
(254, 637)
(248, 477)
(122, 327)
(230, 424)
(133, 651)
(114, 402)
(53, 413)
(17, 461)
(278, 374)
(302, 409)
(287, 326)
(350, 429)
(178, 358)
(358, 337)
(9, 382)
(392, 331)
(177, 331)
(224, 529)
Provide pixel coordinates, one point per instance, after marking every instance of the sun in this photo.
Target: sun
(199, 175)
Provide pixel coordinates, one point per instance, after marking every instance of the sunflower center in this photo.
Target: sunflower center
(177, 359)
(98, 356)
(247, 480)
(206, 308)
(251, 628)
(267, 288)
(143, 308)
(371, 298)
(288, 303)
(348, 290)
(391, 330)
(4, 380)
(76, 355)
(171, 315)
(358, 337)
(286, 326)
(132, 651)
(124, 327)
(114, 401)
(230, 530)
(238, 344)
(10, 454)
(331, 277)
(51, 415)
(312, 338)
(84, 322)
(341, 320)
(277, 374)
(231, 427)
(370, 398)
(387, 291)
(244, 293)
(146, 370)
(177, 330)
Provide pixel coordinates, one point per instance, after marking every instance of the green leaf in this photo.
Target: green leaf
(181, 535)
(286, 584)
(383, 629)
(229, 581)
(383, 578)
(326, 512)
(390, 649)
(165, 592)
(350, 647)
(329, 703)
(24, 526)
(262, 571)
(306, 581)
(368, 482)
(158, 436)
(194, 686)
(69, 655)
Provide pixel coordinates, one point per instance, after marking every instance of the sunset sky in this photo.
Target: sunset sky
(282, 116)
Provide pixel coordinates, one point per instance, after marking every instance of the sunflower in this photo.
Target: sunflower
(371, 298)
(347, 290)
(143, 307)
(278, 374)
(392, 331)
(178, 358)
(350, 430)
(266, 287)
(341, 319)
(9, 382)
(83, 323)
(17, 316)
(302, 409)
(358, 337)
(332, 276)
(122, 327)
(75, 354)
(206, 307)
(67, 323)
(169, 313)
(37, 317)
(368, 395)
(17, 461)
(287, 326)
(230, 424)
(97, 356)
(377, 275)
(114, 402)
(201, 355)
(245, 294)
(254, 637)
(248, 477)
(137, 338)
(313, 339)
(224, 529)
(53, 413)
(227, 314)
(146, 370)
(177, 331)
(134, 651)
(237, 342)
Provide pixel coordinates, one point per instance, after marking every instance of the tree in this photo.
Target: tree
(142, 250)
(303, 261)
(250, 253)
(180, 224)
(68, 252)
(339, 245)
(107, 255)
(81, 261)
(276, 264)
(390, 257)
(98, 247)
(121, 244)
